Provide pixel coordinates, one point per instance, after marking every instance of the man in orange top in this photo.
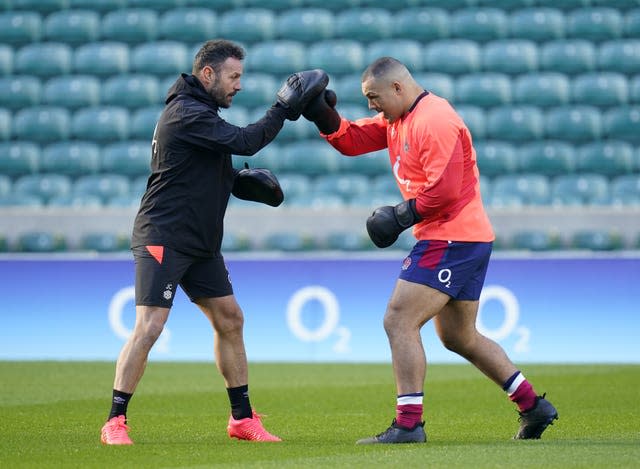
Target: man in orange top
(434, 164)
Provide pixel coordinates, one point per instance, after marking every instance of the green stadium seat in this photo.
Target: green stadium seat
(157, 5)
(103, 241)
(634, 89)
(543, 89)
(103, 186)
(5, 124)
(73, 158)
(347, 241)
(452, 56)
(131, 91)
(483, 89)
(41, 6)
(334, 5)
(577, 124)
(596, 240)
(72, 92)
(19, 158)
(102, 59)
(4, 245)
(406, 241)
(5, 182)
(41, 241)
(364, 24)
(44, 59)
(385, 184)
(131, 158)
(6, 59)
(485, 188)
(601, 89)
(19, 91)
(440, 84)
(622, 56)
(42, 124)
(288, 241)
(311, 201)
(632, 23)
(625, 190)
(595, 23)
(496, 158)
(353, 111)
(237, 114)
(19, 200)
(532, 189)
(511, 56)
(99, 6)
(82, 202)
(421, 24)
(103, 124)
(374, 200)
(235, 242)
(518, 123)
(292, 131)
(143, 122)
(72, 27)
(369, 164)
(407, 51)
(306, 24)
(622, 123)
(309, 157)
(248, 25)
(536, 240)
(277, 57)
(537, 24)
(348, 88)
(161, 58)
(123, 201)
(570, 56)
(610, 158)
(18, 28)
(506, 5)
(475, 118)
(480, 24)
(188, 25)
(580, 189)
(338, 56)
(138, 186)
(345, 185)
(565, 5)
(258, 90)
(293, 184)
(164, 85)
(130, 25)
(44, 186)
(548, 157)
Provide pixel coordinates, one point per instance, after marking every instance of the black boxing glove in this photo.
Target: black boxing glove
(387, 222)
(257, 185)
(299, 89)
(321, 111)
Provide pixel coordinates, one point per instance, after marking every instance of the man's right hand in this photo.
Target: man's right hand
(321, 111)
(299, 89)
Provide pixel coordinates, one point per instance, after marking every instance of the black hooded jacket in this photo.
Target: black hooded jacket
(191, 173)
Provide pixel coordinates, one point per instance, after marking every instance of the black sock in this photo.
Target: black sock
(119, 404)
(239, 399)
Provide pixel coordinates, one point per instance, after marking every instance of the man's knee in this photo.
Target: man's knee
(229, 322)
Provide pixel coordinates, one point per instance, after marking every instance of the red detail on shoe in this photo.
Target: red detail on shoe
(114, 432)
(433, 255)
(157, 252)
(408, 415)
(524, 396)
(249, 429)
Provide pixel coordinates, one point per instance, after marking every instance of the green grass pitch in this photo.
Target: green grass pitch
(52, 413)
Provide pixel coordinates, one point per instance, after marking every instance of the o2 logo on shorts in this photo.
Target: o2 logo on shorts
(444, 276)
(406, 263)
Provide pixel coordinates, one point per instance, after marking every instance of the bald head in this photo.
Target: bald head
(389, 87)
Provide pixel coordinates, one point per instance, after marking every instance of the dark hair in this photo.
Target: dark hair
(213, 53)
(381, 67)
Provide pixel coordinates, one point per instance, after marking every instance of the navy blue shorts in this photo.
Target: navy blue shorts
(455, 268)
(159, 270)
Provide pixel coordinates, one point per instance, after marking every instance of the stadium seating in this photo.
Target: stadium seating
(42, 124)
(622, 123)
(77, 201)
(293, 184)
(44, 59)
(609, 158)
(44, 186)
(334, 5)
(130, 25)
(73, 158)
(72, 91)
(188, 25)
(483, 89)
(549, 158)
(143, 122)
(421, 24)
(565, 5)
(6, 59)
(103, 241)
(596, 240)
(130, 91)
(364, 24)
(544, 89)
(99, 6)
(515, 123)
(622, 56)
(73, 27)
(103, 186)
(348, 241)
(452, 56)
(625, 190)
(19, 158)
(479, 24)
(344, 185)
(369, 164)
(277, 57)
(102, 58)
(510, 56)
(5, 184)
(289, 241)
(234, 242)
(602, 89)
(41, 241)
(568, 56)
(161, 58)
(595, 23)
(475, 119)
(248, 25)
(537, 24)
(102, 124)
(577, 124)
(496, 158)
(407, 51)
(22, 201)
(339, 56)
(536, 240)
(19, 28)
(129, 158)
(632, 23)
(309, 157)
(580, 189)
(258, 90)
(5, 124)
(306, 25)
(531, 189)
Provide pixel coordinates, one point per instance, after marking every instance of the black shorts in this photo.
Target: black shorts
(159, 270)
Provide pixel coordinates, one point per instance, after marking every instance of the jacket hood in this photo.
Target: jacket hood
(191, 86)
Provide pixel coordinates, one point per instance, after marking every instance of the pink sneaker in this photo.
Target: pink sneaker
(114, 432)
(249, 429)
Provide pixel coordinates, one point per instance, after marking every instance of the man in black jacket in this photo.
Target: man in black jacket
(178, 230)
